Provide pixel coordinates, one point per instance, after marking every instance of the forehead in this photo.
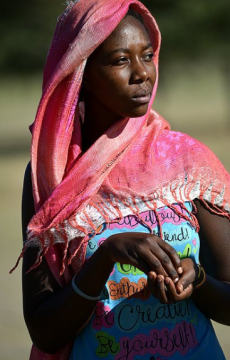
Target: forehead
(128, 32)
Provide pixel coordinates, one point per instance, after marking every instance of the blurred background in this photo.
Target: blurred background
(193, 96)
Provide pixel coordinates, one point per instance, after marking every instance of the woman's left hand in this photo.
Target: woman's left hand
(167, 291)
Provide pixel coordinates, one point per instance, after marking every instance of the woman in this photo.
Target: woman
(117, 197)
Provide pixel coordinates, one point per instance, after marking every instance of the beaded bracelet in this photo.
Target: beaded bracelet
(79, 292)
(201, 277)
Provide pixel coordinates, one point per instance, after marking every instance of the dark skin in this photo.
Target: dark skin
(51, 312)
(124, 69)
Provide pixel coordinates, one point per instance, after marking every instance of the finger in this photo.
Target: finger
(172, 293)
(142, 265)
(189, 275)
(155, 262)
(160, 263)
(171, 290)
(152, 256)
(184, 282)
(161, 289)
(151, 279)
(152, 275)
(173, 256)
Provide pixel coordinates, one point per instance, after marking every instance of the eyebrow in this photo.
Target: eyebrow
(127, 50)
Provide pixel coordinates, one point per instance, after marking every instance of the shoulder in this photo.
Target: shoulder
(27, 184)
(27, 200)
(194, 158)
(27, 176)
(188, 147)
(183, 140)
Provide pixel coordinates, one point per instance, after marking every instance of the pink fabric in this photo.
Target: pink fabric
(64, 180)
(137, 164)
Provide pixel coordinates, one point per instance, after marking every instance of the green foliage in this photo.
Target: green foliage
(191, 30)
(26, 29)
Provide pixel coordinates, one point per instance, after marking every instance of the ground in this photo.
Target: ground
(189, 101)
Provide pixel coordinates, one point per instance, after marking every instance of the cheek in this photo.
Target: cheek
(153, 73)
(116, 80)
(114, 87)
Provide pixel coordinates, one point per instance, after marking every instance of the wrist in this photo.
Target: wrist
(105, 252)
(83, 294)
(200, 276)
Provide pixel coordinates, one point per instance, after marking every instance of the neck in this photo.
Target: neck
(97, 120)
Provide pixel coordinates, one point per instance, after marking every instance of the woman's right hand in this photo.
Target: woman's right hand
(145, 251)
(168, 292)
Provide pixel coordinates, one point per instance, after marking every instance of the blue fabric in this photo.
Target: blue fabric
(129, 323)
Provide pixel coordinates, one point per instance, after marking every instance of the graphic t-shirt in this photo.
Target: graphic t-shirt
(129, 323)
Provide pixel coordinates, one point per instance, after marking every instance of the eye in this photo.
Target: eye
(148, 56)
(121, 61)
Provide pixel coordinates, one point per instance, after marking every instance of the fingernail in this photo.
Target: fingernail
(150, 275)
(167, 281)
(175, 280)
(180, 270)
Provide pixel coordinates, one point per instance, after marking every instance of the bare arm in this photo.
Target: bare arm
(213, 298)
(54, 315)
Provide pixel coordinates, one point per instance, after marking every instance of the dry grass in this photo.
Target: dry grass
(191, 105)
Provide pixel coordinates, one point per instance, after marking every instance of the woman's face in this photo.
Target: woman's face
(120, 74)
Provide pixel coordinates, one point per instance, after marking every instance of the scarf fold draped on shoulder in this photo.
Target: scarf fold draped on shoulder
(136, 165)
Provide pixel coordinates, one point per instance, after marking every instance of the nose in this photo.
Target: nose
(140, 73)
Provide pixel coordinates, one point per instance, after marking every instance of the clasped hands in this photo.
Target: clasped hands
(169, 290)
(169, 278)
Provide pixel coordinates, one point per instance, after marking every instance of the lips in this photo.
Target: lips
(142, 96)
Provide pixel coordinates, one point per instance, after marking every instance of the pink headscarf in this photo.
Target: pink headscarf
(75, 193)
(65, 181)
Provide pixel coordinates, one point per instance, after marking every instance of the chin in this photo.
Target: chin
(139, 112)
